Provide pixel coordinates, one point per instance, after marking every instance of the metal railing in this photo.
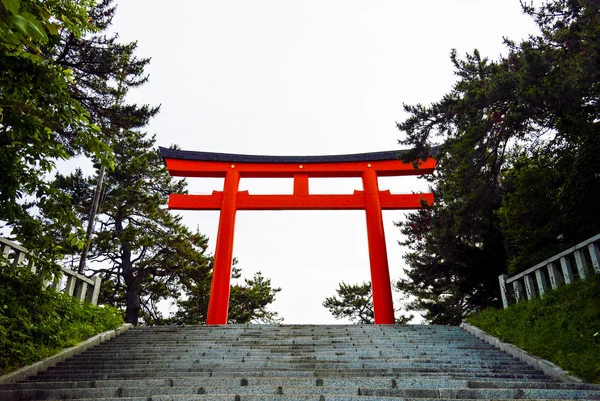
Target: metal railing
(77, 285)
(533, 282)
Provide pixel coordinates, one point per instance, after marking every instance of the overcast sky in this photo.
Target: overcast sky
(303, 78)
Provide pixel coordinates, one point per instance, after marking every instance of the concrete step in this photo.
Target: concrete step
(265, 366)
(374, 382)
(302, 390)
(346, 362)
(294, 374)
(276, 397)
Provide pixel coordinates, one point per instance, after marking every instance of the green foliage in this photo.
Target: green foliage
(530, 214)
(247, 302)
(36, 323)
(355, 303)
(103, 70)
(139, 242)
(563, 326)
(145, 253)
(37, 110)
(518, 173)
(61, 89)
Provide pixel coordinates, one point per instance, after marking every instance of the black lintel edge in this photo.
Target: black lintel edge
(167, 153)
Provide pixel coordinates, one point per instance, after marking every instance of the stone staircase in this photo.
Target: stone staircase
(288, 362)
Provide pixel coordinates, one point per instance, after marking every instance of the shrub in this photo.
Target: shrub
(36, 323)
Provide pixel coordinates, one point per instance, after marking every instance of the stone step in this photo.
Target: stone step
(344, 360)
(301, 390)
(202, 349)
(278, 348)
(391, 344)
(264, 365)
(442, 394)
(375, 382)
(288, 373)
(276, 397)
(365, 338)
(261, 364)
(353, 351)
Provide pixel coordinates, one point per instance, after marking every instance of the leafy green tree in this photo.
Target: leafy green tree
(144, 252)
(36, 109)
(501, 127)
(355, 303)
(247, 302)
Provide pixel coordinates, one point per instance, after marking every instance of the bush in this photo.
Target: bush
(563, 327)
(36, 323)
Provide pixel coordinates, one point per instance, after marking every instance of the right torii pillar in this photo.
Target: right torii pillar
(383, 304)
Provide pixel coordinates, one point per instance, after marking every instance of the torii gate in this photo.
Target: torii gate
(232, 167)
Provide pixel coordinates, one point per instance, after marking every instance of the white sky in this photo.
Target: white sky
(303, 78)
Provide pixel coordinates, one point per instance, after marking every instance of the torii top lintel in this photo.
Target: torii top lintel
(234, 166)
(185, 163)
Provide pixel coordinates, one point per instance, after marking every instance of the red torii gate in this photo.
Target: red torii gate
(232, 167)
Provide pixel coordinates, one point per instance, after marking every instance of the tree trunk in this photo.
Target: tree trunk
(132, 295)
(132, 310)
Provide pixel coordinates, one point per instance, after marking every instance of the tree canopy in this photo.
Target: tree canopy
(37, 109)
(61, 95)
(355, 303)
(518, 176)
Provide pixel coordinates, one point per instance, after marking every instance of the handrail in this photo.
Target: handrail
(79, 286)
(524, 284)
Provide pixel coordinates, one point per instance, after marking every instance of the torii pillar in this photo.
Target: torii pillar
(368, 166)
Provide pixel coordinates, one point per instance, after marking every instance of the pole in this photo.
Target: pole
(218, 303)
(92, 218)
(383, 305)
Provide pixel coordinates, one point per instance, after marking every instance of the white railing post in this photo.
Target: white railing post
(580, 262)
(529, 287)
(70, 285)
(504, 290)
(541, 281)
(518, 290)
(567, 270)
(555, 277)
(31, 265)
(5, 249)
(80, 290)
(94, 292)
(19, 258)
(595, 256)
(55, 286)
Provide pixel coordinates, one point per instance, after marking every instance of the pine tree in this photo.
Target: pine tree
(247, 303)
(139, 244)
(355, 303)
(143, 251)
(503, 123)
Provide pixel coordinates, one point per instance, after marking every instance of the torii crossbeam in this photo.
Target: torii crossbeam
(232, 167)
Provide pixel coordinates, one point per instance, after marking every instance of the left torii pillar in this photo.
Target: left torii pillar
(218, 303)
